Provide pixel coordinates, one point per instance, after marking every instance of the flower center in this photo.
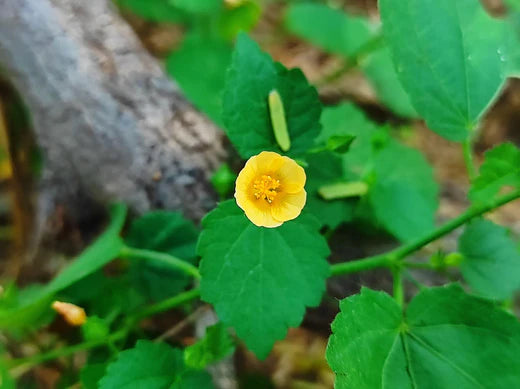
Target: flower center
(266, 187)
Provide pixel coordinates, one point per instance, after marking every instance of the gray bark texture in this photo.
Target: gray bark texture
(110, 123)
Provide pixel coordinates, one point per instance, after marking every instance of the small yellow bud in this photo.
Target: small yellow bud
(72, 314)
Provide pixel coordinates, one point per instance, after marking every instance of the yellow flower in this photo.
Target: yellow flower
(72, 314)
(270, 189)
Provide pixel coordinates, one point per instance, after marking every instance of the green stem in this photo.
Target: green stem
(353, 61)
(27, 363)
(468, 158)
(398, 285)
(390, 258)
(471, 213)
(361, 265)
(411, 278)
(133, 253)
(170, 303)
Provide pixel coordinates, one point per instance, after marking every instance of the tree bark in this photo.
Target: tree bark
(110, 124)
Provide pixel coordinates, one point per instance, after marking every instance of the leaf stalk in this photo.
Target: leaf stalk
(174, 262)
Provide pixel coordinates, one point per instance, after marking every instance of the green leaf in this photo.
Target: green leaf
(90, 293)
(405, 194)
(379, 69)
(450, 69)
(491, 264)
(239, 18)
(512, 55)
(329, 28)
(95, 328)
(166, 232)
(24, 310)
(193, 379)
(340, 143)
(324, 169)
(198, 6)
(199, 67)
(513, 8)
(153, 10)
(513, 22)
(512, 5)
(250, 79)
(501, 168)
(127, 298)
(91, 374)
(260, 280)
(157, 281)
(215, 346)
(102, 251)
(446, 339)
(6, 381)
(147, 365)
(348, 120)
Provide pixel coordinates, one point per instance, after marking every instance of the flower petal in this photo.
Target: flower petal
(258, 211)
(287, 202)
(289, 206)
(262, 217)
(245, 199)
(245, 179)
(291, 175)
(267, 162)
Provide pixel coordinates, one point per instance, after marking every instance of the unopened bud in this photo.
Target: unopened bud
(453, 259)
(72, 314)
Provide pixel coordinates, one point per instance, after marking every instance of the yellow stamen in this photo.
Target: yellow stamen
(266, 187)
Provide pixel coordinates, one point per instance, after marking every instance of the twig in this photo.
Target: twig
(178, 327)
(391, 258)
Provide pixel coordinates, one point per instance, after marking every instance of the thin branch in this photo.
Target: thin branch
(389, 259)
(21, 365)
(167, 304)
(170, 260)
(398, 285)
(178, 327)
(468, 158)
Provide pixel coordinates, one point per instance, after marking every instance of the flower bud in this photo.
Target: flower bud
(72, 314)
